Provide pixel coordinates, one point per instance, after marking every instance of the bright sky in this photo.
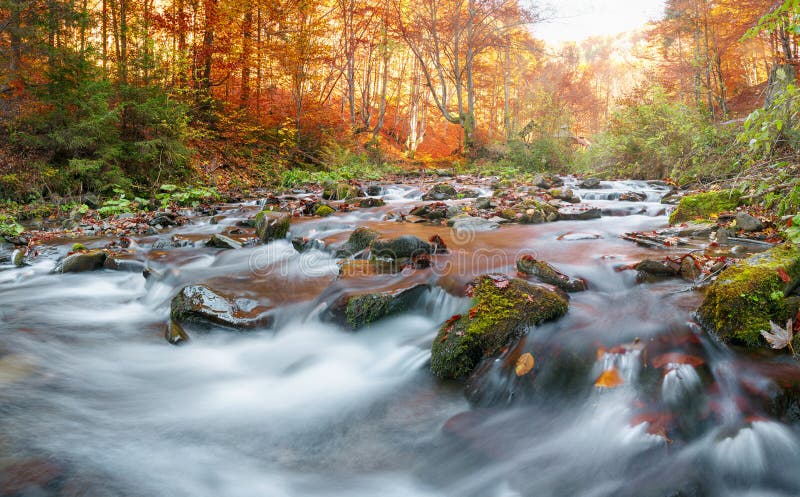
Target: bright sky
(580, 19)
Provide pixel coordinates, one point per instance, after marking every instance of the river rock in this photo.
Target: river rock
(164, 219)
(374, 190)
(223, 242)
(703, 205)
(502, 310)
(303, 244)
(579, 213)
(746, 222)
(689, 270)
(200, 304)
(18, 257)
(272, 225)
(341, 191)
(174, 333)
(82, 261)
(632, 197)
(323, 210)
(473, 224)
(440, 191)
(401, 247)
(749, 294)
(359, 240)
(566, 195)
(589, 184)
(360, 310)
(369, 202)
(546, 273)
(484, 203)
(653, 268)
(430, 211)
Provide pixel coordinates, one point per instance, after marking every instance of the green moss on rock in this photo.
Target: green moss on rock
(323, 210)
(502, 310)
(341, 191)
(358, 241)
(546, 273)
(702, 205)
(748, 295)
(272, 225)
(363, 310)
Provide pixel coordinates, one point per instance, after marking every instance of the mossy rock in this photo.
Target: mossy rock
(83, 261)
(272, 225)
(358, 241)
(78, 247)
(400, 248)
(323, 210)
(502, 309)
(546, 273)
(358, 311)
(440, 191)
(703, 205)
(748, 295)
(341, 191)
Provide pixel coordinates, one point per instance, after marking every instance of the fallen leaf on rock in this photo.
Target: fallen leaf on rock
(784, 276)
(524, 364)
(610, 378)
(779, 338)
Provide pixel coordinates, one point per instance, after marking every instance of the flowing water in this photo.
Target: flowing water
(94, 401)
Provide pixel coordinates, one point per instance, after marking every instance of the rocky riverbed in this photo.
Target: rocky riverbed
(461, 336)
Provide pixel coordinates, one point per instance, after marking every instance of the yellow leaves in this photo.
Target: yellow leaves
(610, 378)
(524, 364)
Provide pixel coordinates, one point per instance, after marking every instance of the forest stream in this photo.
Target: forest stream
(627, 396)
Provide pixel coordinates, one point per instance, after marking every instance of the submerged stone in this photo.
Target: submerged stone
(749, 294)
(502, 309)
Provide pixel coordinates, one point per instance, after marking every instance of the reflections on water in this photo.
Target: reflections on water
(89, 387)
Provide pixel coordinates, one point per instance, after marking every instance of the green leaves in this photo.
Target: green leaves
(793, 230)
(9, 226)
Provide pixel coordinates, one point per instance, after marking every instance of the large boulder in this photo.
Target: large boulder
(702, 205)
(272, 225)
(440, 191)
(502, 310)
(82, 261)
(402, 247)
(360, 310)
(544, 272)
(202, 305)
(751, 293)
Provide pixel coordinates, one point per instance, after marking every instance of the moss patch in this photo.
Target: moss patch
(702, 205)
(341, 191)
(362, 310)
(502, 310)
(324, 210)
(750, 294)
